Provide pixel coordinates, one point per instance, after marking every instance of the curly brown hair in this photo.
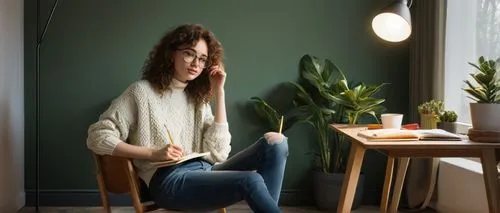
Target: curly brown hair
(159, 68)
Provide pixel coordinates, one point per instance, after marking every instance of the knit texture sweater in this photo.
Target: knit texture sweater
(141, 116)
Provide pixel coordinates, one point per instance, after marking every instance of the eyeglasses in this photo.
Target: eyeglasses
(190, 55)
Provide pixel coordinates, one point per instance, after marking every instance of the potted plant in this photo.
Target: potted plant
(447, 121)
(485, 110)
(429, 113)
(324, 97)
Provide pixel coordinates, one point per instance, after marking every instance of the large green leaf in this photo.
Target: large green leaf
(334, 98)
(267, 113)
(327, 72)
(482, 79)
(476, 95)
(372, 89)
(369, 102)
(304, 96)
(327, 111)
(341, 99)
(331, 73)
(474, 65)
(311, 70)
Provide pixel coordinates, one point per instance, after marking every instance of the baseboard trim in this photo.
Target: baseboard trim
(296, 197)
(78, 197)
(75, 197)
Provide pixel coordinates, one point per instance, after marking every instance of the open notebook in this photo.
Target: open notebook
(408, 135)
(184, 159)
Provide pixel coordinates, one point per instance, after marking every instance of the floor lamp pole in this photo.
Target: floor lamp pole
(39, 40)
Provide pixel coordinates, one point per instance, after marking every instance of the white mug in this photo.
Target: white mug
(391, 120)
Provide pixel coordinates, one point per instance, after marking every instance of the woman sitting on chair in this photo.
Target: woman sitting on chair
(179, 78)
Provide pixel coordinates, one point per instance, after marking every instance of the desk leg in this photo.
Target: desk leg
(490, 175)
(398, 185)
(384, 203)
(351, 178)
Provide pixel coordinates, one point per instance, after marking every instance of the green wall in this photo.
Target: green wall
(94, 49)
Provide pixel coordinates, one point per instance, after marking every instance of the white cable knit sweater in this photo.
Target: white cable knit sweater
(141, 116)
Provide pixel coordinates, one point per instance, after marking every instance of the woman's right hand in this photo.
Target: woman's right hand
(169, 152)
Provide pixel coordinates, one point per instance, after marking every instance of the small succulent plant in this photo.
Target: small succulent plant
(431, 107)
(448, 116)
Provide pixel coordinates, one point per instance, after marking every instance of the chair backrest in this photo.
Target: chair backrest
(117, 175)
(114, 173)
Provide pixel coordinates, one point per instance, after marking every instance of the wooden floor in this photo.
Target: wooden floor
(238, 208)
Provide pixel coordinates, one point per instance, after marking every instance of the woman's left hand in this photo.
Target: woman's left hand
(217, 77)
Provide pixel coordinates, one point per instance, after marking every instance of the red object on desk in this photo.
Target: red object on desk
(412, 126)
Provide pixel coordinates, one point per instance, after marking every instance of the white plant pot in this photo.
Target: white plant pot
(485, 117)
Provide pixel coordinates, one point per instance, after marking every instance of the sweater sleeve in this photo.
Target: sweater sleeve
(216, 137)
(113, 125)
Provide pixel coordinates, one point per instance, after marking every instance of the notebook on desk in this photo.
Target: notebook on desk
(184, 159)
(408, 135)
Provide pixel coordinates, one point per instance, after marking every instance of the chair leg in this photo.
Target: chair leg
(104, 194)
(134, 188)
(102, 185)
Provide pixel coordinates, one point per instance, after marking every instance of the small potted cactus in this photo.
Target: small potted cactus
(429, 113)
(447, 121)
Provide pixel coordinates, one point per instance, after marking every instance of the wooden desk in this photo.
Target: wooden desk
(403, 150)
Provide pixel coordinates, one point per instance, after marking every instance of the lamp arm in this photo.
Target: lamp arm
(39, 40)
(49, 19)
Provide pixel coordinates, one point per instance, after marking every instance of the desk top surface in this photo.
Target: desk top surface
(352, 131)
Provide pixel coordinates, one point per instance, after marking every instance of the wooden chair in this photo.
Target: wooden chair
(111, 173)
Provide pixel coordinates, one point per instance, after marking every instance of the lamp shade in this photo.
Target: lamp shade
(393, 23)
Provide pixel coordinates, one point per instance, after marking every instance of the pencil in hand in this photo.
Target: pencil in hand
(281, 124)
(170, 137)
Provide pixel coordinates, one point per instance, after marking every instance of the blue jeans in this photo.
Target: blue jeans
(197, 185)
